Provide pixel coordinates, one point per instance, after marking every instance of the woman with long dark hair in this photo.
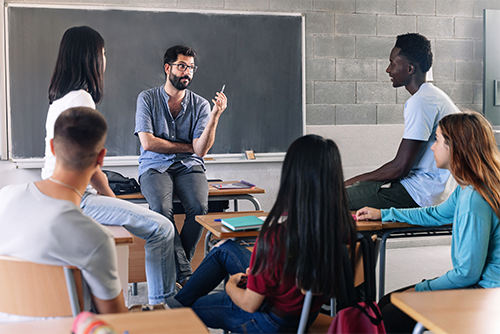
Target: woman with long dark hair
(299, 248)
(465, 145)
(78, 81)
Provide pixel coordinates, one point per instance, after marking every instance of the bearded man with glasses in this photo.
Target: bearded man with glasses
(176, 129)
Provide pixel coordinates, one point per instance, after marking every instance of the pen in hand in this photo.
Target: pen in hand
(222, 90)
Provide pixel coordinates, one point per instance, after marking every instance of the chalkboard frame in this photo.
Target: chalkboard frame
(12, 135)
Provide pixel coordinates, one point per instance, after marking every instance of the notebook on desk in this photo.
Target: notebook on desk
(243, 223)
(234, 185)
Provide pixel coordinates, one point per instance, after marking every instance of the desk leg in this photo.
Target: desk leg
(235, 205)
(255, 203)
(381, 274)
(418, 329)
(122, 256)
(208, 237)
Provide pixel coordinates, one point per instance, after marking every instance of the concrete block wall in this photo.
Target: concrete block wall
(349, 97)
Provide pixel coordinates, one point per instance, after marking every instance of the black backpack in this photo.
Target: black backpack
(121, 185)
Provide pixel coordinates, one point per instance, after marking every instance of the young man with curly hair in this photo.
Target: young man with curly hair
(411, 179)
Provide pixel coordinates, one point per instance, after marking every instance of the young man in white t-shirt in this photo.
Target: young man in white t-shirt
(411, 179)
(43, 223)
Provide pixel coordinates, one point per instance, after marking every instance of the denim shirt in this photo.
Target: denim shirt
(153, 116)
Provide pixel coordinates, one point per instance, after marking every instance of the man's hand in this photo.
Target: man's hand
(99, 182)
(367, 213)
(203, 144)
(220, 104)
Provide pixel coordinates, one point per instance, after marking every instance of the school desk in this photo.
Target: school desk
(214, 194)
(216, 230)
(386, 229)
(123, 239)
(452, 311)
(402, 230)
(175, 321)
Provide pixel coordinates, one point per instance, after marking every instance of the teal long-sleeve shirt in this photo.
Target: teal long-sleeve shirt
(475, 245)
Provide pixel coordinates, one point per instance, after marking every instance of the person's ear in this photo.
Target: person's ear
(100, 157)
(52, 147)
(167, 68)
(411, 69)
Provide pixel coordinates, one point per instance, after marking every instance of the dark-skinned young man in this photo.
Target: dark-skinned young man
(411, 179)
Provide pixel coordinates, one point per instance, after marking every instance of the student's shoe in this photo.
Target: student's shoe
(147, 307)
(178, 287)
(171, 302)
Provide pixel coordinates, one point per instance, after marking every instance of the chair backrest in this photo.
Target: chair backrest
(39, 290)
(364, 272)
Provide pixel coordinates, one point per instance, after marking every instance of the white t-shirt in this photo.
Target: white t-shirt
(426, 183)
(42, 229)
(76, 98)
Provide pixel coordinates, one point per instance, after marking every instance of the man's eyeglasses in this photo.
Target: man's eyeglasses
(183, 67)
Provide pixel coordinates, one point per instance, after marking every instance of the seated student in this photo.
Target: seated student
(411, 179)
(465, 145)
(78, 81)
(310, 213)
(42, 222)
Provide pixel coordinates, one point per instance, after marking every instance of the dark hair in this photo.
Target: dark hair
(173, 52)
(475, 159)
(79, 65)
(312, 203)
(79, 135)
(417, 49)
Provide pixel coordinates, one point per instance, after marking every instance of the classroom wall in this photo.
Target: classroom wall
(349, 96)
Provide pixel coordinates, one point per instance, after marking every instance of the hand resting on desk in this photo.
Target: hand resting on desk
(367, 213)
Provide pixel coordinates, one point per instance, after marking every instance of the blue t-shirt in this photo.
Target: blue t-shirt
(153, 116)
(425, 182)
(475, 244)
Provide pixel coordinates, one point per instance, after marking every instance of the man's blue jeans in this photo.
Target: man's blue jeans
(190, 186)
(217, 310)
(148, 225)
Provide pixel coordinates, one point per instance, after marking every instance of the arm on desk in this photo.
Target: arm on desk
(115, 305)
(437, 215)
(367, 213)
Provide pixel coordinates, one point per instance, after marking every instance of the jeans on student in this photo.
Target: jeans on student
(217, 310)
(190, 186)
(155, 229)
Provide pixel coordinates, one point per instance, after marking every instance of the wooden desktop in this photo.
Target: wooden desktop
(176, 321)
(453, 311)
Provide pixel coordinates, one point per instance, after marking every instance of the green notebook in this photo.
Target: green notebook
(243, 223)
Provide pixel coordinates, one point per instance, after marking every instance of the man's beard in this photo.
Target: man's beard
(176, 81)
